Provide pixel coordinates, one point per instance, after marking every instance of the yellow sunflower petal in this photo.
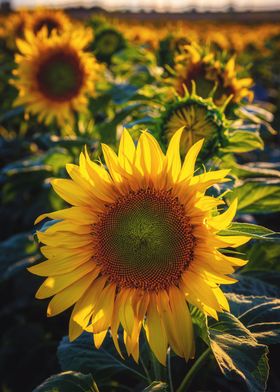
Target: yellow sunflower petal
(189, 162)
(69, 296)
(222, 221)
(60, 265)
(84, 308)
(183, 321)
(103, 312)
(155, 332)
(126, 151)
(83, 215)
(173, 158)
(54, 284)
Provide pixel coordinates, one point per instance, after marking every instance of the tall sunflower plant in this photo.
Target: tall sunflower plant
(148, 257)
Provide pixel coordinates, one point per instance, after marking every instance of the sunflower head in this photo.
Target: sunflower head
(169, 47)
(213, 75)
(200, 118)
(54, 74)
(139, 243)
(232, 84)
(14, 27)
(49, 19)
(107, 42)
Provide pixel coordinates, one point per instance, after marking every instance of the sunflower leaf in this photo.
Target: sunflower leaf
(257, 196)
(68, 382)
(258, 283)
(238, 354)
(17, 253)
(243, 141)
(260, 315)
(103, 363)
(249, 230)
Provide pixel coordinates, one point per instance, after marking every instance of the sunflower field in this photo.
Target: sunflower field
(140, 188)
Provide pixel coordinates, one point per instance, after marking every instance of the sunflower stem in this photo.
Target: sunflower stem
(109, 136)
(193, 370)
(145, 370)
(169, 370)
(156, 367)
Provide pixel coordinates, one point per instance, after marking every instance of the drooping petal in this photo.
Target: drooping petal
(155, 332)
(84, 308)
(103, 312)
(183, 322)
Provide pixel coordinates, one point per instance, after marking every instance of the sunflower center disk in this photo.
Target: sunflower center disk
(198, 122)
(60, 76)
(144, 240)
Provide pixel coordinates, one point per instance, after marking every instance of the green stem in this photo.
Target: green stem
(156, 366)
(169, 370)
(193, 370)
(109, 136)
(145, 370)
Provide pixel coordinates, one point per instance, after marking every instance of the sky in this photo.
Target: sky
(159, 5)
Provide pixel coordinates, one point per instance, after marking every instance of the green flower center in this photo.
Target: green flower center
(199, 121)
(108, 43)
(60, 77)
(144, 240)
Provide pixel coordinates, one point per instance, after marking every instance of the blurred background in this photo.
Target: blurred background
(156, 5)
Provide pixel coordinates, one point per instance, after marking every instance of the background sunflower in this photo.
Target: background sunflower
(55, 75)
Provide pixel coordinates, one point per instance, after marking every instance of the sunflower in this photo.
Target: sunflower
(51, 19)
(199, 117)
(55, 75)
(107, 42)
(14, 27)
(212, 74)
(139, 243)
(238, 88)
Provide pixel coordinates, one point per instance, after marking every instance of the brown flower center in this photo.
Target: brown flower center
(60, 76)
(144, 240)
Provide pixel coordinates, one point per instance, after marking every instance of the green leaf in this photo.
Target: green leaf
(82, 356)
(255, 284)
(12, 113)
(17, 253)
(157, 386)
(243, 141)
(248, 230)
(239, 356)
(68, 382)
(122, 93)
(263, 256)
(257, 115)
(261, 315)
(257, 169)
(257, 197)
(200, 323)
